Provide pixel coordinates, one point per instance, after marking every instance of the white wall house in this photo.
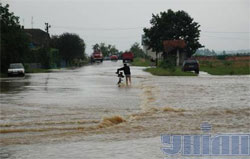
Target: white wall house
(170, 47)
(149, 52)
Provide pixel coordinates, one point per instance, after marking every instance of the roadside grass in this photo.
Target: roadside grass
(158, 71)
(141, 62)
(37, 70)
(2, 75)
(224, 67)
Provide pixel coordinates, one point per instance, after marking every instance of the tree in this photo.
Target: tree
(172, 25)
(14, 42)
(70, 47)
(113, 50)
(96, 47)
(106, 50)
(53, 43)
(137, 50)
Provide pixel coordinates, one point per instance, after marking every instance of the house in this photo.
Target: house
(171, 47)
(38, 37)
(175, 48)
(149, 52)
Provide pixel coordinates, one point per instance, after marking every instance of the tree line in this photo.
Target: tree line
(70, 48)
(208, 52)
(67, 49)
(108, 50)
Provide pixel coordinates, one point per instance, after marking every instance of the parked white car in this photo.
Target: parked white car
(16, 69)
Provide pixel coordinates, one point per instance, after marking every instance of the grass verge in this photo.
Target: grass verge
(223, 67)
(165, 72)
(37, 70)
(2, 75)
(141, 62)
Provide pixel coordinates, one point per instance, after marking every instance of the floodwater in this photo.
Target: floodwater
(81, 113)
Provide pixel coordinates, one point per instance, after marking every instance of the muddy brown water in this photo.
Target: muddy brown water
(72, 113)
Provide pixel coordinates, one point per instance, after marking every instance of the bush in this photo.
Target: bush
(221, 57)
(168, 63)
(227, 63)
(141, 62)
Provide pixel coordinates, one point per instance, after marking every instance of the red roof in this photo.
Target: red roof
(171, 44)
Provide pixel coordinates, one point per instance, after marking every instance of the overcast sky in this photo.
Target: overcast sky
(225, 24)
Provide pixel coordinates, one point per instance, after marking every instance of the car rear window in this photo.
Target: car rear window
(16, 65)
(191, 62)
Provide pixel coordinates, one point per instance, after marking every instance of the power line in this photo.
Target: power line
(221, 32)
(98, 29)
(134, 28)
(219, 37)
(112, 37)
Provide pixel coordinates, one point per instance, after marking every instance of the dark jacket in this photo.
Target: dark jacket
(126, 70)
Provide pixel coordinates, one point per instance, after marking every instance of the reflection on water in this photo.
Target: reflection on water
(14, 84)
(82, 112)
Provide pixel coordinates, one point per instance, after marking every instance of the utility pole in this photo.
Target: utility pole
(23, 23)
(47, 26)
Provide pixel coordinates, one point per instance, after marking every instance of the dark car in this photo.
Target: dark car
(191, 65)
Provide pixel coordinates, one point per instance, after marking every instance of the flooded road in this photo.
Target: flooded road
(81, 113)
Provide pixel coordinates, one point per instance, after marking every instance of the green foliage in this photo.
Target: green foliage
(107, 50)
(14, 42)
(221, 57)
(223, 67)
(96, 47)
(15, 45)
(37, 70)
(172, 26)
(158, 71)
(141, 62)
(207, 64)
(2, 75)
(54, 58)
(137, 50)
(70, 47)
(226, 70)
(47, 57)
(227, 63)
(169, 63)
